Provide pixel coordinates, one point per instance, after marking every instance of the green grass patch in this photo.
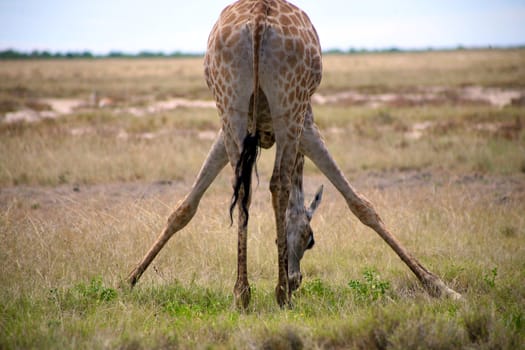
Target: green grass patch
(196, 316)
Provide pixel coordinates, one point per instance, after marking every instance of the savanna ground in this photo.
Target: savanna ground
(95, 153)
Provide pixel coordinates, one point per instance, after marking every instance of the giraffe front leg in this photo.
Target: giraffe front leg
(185, 210)
(280, 186)
(314, 148)
(282, 288)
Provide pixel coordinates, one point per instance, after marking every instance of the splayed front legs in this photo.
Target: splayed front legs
(186, 208)
(314, 148)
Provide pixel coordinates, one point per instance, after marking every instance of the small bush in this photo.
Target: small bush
(317, 288)
(372, 288)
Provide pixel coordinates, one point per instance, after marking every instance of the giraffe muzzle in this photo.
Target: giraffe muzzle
(294, 280)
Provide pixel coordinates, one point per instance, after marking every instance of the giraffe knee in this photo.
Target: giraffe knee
(365, 212)
(180, 217)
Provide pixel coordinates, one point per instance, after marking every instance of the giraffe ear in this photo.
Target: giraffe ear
(315, 202)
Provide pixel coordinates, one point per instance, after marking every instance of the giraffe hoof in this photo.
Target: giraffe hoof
(452, 294)
(242, 296)
(437, 288)
(282, 296)
(133, 278)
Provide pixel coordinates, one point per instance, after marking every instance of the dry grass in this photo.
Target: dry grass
(83, 197)
(386, 72)
(58, 242)
(131, 80)
(98, 146)
(124, 79)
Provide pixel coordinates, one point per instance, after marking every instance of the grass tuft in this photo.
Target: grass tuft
(371, 288)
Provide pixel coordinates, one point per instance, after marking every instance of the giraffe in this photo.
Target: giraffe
(262, 65)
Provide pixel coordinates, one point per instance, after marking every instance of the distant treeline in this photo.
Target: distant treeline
(429, 49)
(36, 54)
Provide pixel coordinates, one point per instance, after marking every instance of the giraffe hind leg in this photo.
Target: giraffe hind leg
(242, 149)
(241, 290)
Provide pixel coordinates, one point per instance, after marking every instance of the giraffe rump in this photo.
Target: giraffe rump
(243, 174)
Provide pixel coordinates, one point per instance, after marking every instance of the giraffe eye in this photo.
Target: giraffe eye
(311, 242)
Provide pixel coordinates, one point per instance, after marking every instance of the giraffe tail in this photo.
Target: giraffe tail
(257, 34)
(250, 147)
(243, 174)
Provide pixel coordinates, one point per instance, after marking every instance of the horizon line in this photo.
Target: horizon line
(166, 53)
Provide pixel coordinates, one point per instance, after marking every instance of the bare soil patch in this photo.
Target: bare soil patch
(502, 189)
(497, 97)
(473, 95)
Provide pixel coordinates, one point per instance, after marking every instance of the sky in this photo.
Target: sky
(131, 26)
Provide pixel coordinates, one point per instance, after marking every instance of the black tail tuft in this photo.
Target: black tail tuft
(243, 173)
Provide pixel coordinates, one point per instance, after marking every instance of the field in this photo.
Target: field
(94, 154)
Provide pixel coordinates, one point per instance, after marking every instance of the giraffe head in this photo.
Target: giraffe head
(300, 236)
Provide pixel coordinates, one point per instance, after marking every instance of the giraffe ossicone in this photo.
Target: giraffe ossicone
(262, 65)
